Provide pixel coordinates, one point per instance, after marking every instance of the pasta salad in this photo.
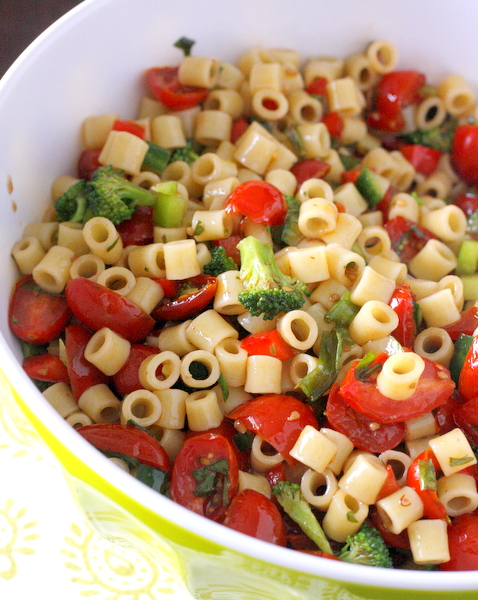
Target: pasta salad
(258, 296)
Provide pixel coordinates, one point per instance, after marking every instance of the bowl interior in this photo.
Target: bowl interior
(91, 62)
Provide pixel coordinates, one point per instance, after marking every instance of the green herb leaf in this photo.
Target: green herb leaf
(224, 387)
(456, 462)
(427, 475)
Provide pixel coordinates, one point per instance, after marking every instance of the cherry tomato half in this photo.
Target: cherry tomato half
(165, 86)
(403, 303)
(258, 200)
(205, 475)
(188, 305)
(277, 418)
(34, 315)
(309, 168)
(365, 433)
(396, 90)
(139, 229)
(252, 513)
(97, 306)
(423, 158)
(126, 380)
(468, 380)
(46, 367)
(268, 343)
(464, 153)
(463, 544)
(88, 163)
(434, 387)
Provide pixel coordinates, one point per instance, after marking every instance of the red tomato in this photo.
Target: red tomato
(258, 200)
(468, 202)
(391, 123)
(444, 415)
(170, 287)
(208, 456)
(268, 343)
(126, 380)
(318, 86)
(188, 305)
(464, 153)
(334, 123)
(88, 163)
(390, 486)
(395, 540)
(407, 237)
(252, 513)
(403, 304)
(466, 418)
(277, 418)
(463, 544)
(433, 508)
(128, 440)
(351, 175)
(139, 230)
(82, 373)
(130, 127)
(227, 430)
(97, 306)
(46, 367)
(239, 127)
(230, 246)
(164, 84)
(433, 389)
(276, 474)
(34, 315)
(423, 158)
(365, 433)
(467, 323)
(396, 90)
(468, 380)
(309, 168)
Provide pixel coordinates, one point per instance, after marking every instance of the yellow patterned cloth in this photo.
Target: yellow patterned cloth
(48, 550)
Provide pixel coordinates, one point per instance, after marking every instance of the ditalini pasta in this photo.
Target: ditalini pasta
(270, 273)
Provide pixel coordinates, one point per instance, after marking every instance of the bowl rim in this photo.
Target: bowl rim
(355, 575)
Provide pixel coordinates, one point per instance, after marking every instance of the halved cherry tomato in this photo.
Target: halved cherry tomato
(466, 418)
(463, 544)
(239, 127)
(403, 303)
(252, 513)
(351, 175)
(467, 323)
(468, 202)
(97, 306)
(365, 433)
(407, 237)
(34, 315)
(276, 474)
(309, 168)
(423, 158)
(318, 86)
(334, 123)
(165, 86)
(468, 380)
(88, 163)
(392, 123)
(464, 153)
(81, 372)
(128, 440)
(126, 380)
(321, 553)
(268, 343)
(230, 246)
(46, 367)
(444, 414)
(391, 484)
(421, 476)
(205, 475)
(130, 127)
(396, 90)
(258, 200)
(277, 418)
(139, 230)
(434, 387)
(227, 430)
(170, 287)
(188, 305)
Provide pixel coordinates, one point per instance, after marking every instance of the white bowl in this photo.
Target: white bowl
(90, 62)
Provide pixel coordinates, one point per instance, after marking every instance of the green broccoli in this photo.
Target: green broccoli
(267, 291)
(109, 194)
(187, 153)
(366, 547)
(72, 204)
(220, 262)
(290, 498)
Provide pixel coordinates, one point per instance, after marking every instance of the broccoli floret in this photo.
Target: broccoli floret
(187, 153)
(72, 204)
(267, 291)
(366, 547)
(109, 194)
(290, 498)
(220, 262)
